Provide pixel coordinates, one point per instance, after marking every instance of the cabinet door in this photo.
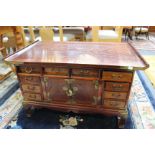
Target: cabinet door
(72, 91)
(54, 89)
(85, 91)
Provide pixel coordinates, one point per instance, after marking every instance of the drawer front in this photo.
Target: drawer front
(31, 88)
(113, 86)
(35, 97)
(85, 72)
(117, 76)
(29, 69)
(57, 71)
(115, 95)
(113, 104)
(30, 79)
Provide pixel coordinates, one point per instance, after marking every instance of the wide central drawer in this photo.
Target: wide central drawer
(57, 71)
(85, 72)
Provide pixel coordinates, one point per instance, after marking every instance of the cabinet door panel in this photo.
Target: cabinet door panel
(87, 91)
(54, 89)
(72, 91)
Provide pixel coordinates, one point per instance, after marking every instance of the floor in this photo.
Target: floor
(144, 115)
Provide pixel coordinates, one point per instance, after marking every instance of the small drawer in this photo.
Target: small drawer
(35, 97)
(30, 79)
(113, 86)
(57, 71)
(115, 95)
(113, 104)
(85, 72)
(31, 88)
(117, 76)
(29, 69)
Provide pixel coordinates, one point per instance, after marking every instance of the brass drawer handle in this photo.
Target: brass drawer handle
(28, 78)
(114, 104)
(84, 71)
(31, 87)
(28, 69)
(32, 96)
(116, 95)
(117, 86)
(114, 76)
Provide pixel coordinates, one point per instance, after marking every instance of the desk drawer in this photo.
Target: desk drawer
(57, 71)
(115, 95)
(114, 86)
(29, 69)
(30, 79)
(85, 72)
(113, 104)
(117, 76)
(31, 88)
(31, 96)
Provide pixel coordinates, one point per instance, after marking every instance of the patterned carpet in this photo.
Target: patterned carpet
(141, 115)
(143, 44)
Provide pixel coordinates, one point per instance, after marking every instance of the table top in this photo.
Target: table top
(98, 54)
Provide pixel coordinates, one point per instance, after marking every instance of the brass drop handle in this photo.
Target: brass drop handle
(69, 92)
(28, 69)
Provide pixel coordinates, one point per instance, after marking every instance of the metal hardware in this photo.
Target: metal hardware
(32, 96)
(28, 78)
(31, 87)
(117, 86)
(96, 84)
(116, 95)
(69, 89)
(116, 76)
(45, 79)
(28, 69)
(96, 100)
(113, 103)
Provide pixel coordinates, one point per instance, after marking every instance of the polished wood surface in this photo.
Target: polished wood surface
(79, 77)
(83, 53)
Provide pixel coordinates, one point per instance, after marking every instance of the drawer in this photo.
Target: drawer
(31, 88)
(117, 76)
(85, 72)
(29, 69)
(113, 86)
(115, 95)
(57, 71)
(30, 79)
(31, 96)
(113, 104)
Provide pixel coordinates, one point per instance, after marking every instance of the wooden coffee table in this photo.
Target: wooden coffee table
(82, 77)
